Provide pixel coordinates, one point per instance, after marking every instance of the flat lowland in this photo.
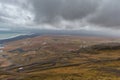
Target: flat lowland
(61, 58)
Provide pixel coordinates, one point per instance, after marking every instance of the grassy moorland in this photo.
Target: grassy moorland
(61, 58)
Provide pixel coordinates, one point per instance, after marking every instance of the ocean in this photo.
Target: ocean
(8, 35)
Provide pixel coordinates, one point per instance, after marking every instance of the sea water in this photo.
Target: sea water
(8, 35)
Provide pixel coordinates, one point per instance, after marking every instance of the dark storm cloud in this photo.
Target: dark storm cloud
(78, 9)
(53, 10)
(104, 13)
(108, 15)
(66, 14)
(46, 10)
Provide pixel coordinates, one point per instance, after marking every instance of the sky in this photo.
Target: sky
(88, 15)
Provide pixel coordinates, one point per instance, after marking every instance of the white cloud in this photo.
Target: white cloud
(15, 14)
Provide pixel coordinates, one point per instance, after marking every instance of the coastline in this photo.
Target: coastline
(11, 36)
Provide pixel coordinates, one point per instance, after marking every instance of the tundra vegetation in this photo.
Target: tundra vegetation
(61, 58)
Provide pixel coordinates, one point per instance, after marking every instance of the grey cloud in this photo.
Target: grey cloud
(14, 2)
(53, 10)
(9, 1)
(108, 15)
(46, 10)
(78, 9)
(103, 13)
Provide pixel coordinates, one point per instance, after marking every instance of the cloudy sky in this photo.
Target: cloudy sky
(96, 15)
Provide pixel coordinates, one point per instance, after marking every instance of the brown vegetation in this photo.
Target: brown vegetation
(62, 58)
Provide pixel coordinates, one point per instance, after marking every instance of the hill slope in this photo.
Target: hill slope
(62, 58)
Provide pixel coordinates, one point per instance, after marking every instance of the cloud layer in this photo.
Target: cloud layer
(108, 14)
(61, 14)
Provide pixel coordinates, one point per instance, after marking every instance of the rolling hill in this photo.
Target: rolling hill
(61, 58)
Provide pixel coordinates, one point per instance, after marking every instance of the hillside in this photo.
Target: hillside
(61, 58)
